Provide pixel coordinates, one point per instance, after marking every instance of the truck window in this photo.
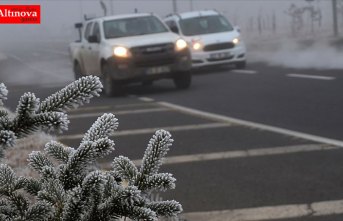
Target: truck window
(96, 31)
(88, 30)
(133, 26)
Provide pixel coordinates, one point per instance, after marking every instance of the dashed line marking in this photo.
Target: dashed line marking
(111, 107)
(153, 130)
(146, 99)
(244, 71)
(315, 77)
(231, 120)
(124, 112)
(30, 66)
(270, 212)
(239, 154)
(56, 52)
(38, 70)
(3, 57)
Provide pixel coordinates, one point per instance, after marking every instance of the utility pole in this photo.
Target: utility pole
(335, 19)
(174, 6)
(191, 4)
(103, 6)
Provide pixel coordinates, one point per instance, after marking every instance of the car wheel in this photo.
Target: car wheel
(111, 87)
(241, 64)
(183, 80)
(77, 71)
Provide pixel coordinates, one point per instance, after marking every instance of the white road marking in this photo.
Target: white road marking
(231, 120)
(2, 57)
(110, 107)
(16, 58)
(316, 77)
(146, 99)
(247, 153)
(153, 130)
(56, 52)
(239, 154)
(270, 212)
(239, 71)
(39, 70)
(29, 66)
(124, 112)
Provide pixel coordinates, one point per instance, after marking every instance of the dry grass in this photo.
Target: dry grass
(16, 156)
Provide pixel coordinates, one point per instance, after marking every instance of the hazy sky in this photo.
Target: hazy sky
(58, 16)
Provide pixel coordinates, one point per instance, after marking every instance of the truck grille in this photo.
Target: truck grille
(153, 55)
(157, 61)
(152, 49)
(219, 46)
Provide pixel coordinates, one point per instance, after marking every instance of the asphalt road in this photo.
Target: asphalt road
(259, 144)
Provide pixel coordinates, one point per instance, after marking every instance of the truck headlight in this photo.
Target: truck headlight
(180, 44)
(236, 41)
(121, 51)
(197, 45)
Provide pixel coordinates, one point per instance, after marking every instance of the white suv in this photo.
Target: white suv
(211, 37)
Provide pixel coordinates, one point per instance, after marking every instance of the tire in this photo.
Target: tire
(111, 87)
(241, 64)
(183, 80)
(77, 71)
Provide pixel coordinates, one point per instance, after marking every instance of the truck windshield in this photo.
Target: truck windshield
(205, 25)
(133, 26)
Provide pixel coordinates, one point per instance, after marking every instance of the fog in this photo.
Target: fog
(275, 43)
(314, 54)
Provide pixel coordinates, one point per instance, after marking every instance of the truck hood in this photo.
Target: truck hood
(141, 40)
(214, 37)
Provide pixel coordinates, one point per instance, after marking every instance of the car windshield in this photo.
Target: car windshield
(205, 25)
(133, 26)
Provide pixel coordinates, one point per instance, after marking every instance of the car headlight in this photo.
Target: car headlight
(121, 51)
(180, 44)
(236, 41)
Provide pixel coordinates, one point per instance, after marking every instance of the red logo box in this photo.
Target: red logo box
(19, 14)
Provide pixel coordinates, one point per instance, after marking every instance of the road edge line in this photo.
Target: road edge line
(232, 120)
(281, 212)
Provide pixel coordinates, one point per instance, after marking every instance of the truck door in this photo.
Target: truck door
(94, 50)
(85, 49)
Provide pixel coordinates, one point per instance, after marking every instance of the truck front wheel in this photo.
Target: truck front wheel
(183, 80)
(111, 87)
(77, 71)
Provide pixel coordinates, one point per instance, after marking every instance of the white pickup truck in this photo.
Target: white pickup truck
(130, 48)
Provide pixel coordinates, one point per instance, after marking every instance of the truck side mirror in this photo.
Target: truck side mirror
(78, 25)
(237, 28)
(174, 29)
(93, 39)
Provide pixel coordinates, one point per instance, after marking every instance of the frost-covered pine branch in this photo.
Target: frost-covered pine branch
(3, 93)
(32, 115)
(73, 190)
(69, 186)
(75, 94)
